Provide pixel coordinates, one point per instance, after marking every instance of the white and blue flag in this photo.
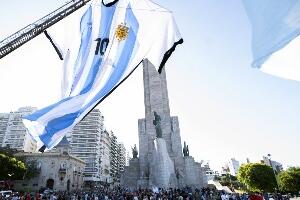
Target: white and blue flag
(101, 45)
(275, 30)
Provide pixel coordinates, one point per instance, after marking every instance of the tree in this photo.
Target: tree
(227, 180)
(11, 168)
(31, 169)
(230, 181)
(289, 180)
(257, 177)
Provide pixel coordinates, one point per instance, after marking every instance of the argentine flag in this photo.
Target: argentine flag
(275, 30)
(101, 45)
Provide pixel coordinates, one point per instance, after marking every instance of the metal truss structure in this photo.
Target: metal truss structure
(29, 32)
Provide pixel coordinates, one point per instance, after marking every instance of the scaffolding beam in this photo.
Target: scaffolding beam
(29, 32)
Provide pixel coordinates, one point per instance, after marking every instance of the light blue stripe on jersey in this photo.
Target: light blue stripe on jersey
(86, 24)
(122, 60)
(39, 113)
(107, 14)
(123, 57)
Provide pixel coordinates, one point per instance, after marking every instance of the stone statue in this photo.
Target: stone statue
(134, 151)
(184, 149)
(179, 173)
(187, 150)
(156, 123)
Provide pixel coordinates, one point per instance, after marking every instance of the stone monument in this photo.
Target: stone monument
(161, 162)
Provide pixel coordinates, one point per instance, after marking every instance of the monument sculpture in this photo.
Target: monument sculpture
(134, 152)
(162, 162)
(156, 123)
(187, 150)
(184, 149)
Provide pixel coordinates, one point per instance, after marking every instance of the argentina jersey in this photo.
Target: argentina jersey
(101, 45)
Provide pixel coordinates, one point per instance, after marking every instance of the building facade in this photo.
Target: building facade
(105, 157)
(121, 160)
(57, 170)
(85, 142)
(13, 132)
(121, 157)
(234, 166)
(4, 118)
(98, 148)
(209, 173)
(277, 166)
(127, 158)
(113, 157)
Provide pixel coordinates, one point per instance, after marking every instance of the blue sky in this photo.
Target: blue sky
(225, 108)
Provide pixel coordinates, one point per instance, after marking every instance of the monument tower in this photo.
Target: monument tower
(160, 162)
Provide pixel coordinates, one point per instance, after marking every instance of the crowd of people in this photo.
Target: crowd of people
(106, 193)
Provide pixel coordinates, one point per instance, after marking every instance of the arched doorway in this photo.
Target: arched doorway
(50, 183)
(68, 185)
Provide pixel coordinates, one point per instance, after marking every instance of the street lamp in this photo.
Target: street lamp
(270, 161)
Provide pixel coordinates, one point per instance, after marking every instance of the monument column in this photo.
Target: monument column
(155, 91)
(156, 100)
(160, 159)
